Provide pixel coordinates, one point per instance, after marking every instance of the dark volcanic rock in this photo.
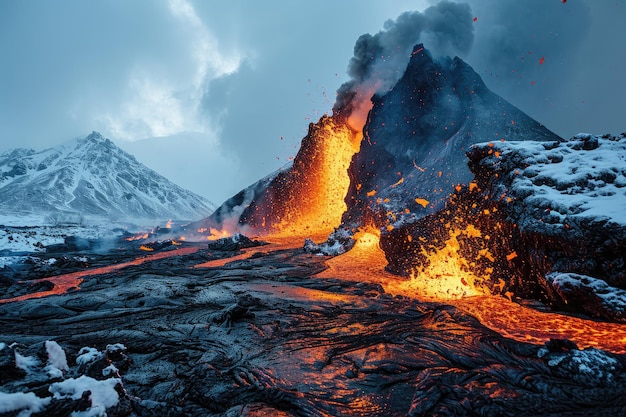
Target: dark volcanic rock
(590, 295)
(416, 137)
(268, 337)
(566, 201)
(235, 243)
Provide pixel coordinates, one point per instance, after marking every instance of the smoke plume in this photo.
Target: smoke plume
(379, 60)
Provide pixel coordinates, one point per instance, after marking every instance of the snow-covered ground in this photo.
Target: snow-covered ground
(23, 236)
(66, 385)
(583, 177)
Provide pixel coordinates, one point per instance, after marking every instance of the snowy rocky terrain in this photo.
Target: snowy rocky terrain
(567, 200)
(86, 180)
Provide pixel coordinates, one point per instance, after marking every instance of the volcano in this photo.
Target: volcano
(463, 229)
(408, 158)
(447, 222)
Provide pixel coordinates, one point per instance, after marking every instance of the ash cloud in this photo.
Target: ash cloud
(379, 60)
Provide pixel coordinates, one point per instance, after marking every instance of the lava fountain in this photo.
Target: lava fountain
(309, 198)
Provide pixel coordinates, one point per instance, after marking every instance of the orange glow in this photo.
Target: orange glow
(422, 202)
(366, 263)
(446, 274)
(66, 282)
(216, 234)
(216, 263)
(141, 236)
(400, 181)
(312, 197)
(168, 225)
(146, 248)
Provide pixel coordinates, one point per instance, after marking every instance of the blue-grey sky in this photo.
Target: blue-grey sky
(215, 95)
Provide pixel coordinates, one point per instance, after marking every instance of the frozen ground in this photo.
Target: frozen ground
(21, 236)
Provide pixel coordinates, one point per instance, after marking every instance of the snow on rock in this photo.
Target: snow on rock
(93, 388)
(87, 355)
(57, 361)
(22, 403)
(340, 241)
(103, 393)
(561, 209)
(582, 179)
(591, 367)
(592, 295)
(27, 363)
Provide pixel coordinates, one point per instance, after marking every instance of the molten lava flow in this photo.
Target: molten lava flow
(366, 262)
(139, 236)
(66, 282)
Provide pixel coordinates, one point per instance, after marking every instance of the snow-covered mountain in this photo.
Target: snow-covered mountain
(90, 178)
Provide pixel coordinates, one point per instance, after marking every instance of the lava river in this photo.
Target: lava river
(366, 263)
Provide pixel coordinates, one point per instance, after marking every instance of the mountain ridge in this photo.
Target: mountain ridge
(91, 177)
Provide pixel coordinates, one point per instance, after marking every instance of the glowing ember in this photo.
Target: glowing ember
(141, 236)
(447, 274)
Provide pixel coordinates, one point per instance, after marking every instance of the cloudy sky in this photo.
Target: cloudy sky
(215, 95)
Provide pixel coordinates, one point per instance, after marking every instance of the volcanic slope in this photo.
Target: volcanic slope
(92, 178)
(412, 156)
(408, 160)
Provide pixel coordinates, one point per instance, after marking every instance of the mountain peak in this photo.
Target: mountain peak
(412, 155)
(95, 136)
(92, 177)
(417, 134)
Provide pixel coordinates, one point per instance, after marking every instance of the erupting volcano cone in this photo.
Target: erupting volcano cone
(305, 198)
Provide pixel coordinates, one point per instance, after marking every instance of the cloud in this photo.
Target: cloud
(163, 99)
(529, 52)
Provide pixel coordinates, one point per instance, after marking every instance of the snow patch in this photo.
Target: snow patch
(27, 363)
(57, 361)
(24, 402)
(87, 355)
(103, 393)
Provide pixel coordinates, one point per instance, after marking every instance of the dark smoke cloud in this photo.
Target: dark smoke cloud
(379, 60)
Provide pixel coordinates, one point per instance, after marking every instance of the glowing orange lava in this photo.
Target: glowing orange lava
(310, 199)
(66, 282)
(215, 234)
(447, 274)
(366, 262)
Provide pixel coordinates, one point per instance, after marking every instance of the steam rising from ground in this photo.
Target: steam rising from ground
(380, 60)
